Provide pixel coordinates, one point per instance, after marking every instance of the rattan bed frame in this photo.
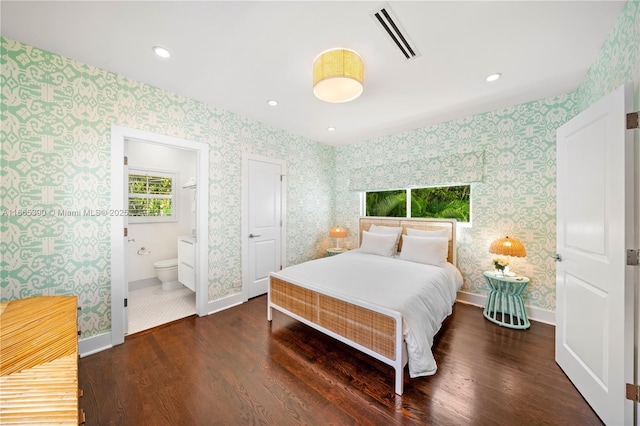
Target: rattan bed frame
(372, 329)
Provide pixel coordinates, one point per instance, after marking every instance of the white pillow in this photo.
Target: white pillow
(380, 244)
(432, 251)
(378, 229)
(432, 233)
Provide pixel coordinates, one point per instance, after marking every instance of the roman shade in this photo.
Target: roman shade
(433, 171)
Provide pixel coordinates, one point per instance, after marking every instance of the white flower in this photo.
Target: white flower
(500, 262)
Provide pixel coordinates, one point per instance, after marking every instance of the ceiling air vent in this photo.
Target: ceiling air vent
(391, 26)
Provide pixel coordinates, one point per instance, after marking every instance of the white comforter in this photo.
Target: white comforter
(423, 294)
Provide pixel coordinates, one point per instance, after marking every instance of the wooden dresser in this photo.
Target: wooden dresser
(39, 361)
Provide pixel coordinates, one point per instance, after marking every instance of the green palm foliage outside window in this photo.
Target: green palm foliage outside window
(387, 203)
(452, 202)
(150, 196)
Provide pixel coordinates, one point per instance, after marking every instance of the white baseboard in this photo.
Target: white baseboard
(225, 303)
(101, 342)
(94, 344)
(534, 314)
(147, 282)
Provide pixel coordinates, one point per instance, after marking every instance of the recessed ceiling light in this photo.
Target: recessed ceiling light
(331, 129)
(272, 102)
(494, 77)
(161, 51)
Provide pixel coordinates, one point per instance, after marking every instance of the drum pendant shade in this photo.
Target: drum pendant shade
(338, 75)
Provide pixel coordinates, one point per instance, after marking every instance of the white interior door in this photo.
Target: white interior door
(595, 224)
(264, 212)
(127, 238)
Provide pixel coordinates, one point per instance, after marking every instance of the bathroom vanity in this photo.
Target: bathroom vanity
(186, 262)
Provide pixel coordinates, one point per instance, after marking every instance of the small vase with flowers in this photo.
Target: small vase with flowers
(500, 263)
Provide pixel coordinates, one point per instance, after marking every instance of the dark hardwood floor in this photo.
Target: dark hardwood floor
(234, 367)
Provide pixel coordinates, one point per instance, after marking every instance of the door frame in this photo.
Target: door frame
(118, 252)
(244, 233)
(615, 123)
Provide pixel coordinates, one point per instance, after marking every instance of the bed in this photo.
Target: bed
(388, 306)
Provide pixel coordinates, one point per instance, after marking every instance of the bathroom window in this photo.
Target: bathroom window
(152, 196)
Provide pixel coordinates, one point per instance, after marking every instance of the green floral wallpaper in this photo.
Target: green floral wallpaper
(517, 194)
(618, 61)
(56, 116)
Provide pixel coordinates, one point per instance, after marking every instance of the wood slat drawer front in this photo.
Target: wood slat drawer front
(39, 363)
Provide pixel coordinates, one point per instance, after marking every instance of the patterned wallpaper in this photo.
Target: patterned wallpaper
(517, 195)
(56, 116)
(618, 61)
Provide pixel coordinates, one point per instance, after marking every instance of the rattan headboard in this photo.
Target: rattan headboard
(416, 223)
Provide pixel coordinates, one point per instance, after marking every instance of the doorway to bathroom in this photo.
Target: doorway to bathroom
(161, 205)
(159, 259)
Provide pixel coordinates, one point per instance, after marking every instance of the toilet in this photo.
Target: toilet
(167, 273)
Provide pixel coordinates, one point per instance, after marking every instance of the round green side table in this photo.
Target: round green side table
(505, 306)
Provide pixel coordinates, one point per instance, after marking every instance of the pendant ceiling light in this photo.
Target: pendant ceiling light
(338, 75)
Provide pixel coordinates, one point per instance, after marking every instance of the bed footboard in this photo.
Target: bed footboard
(375, 333)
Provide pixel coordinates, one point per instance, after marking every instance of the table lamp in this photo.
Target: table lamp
(506, 247)
(338, 232)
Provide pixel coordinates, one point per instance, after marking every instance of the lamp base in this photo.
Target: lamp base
(508, 273)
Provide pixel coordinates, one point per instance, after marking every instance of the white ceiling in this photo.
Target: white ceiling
(236, 55)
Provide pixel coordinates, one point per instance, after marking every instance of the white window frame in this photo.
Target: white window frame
(173, 175)
(363, 200)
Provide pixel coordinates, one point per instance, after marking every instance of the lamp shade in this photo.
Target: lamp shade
(338, 232)
(338, 75)
(508, 247)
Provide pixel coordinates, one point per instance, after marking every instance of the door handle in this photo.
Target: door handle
(557, 257)
(253, 236)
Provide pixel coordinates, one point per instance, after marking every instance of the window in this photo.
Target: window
(439, 202)
(152, 196)
(387, 203)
